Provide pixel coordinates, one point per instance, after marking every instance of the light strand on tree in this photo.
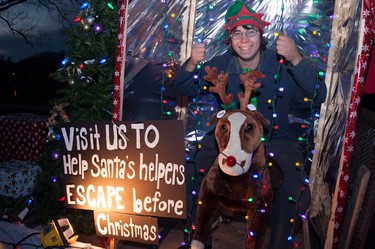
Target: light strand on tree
(165, 58)
(196, 114)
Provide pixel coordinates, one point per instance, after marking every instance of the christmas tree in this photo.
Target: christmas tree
(87, 95)
(87, 71)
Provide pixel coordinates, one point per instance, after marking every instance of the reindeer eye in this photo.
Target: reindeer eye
(249, 127)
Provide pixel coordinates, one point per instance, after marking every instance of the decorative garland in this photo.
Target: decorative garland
(351, 123)
(120, 59)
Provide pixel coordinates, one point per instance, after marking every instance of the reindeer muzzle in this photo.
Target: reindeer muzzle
(235, 165)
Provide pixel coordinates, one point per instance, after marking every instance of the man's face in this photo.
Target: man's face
(246, 42)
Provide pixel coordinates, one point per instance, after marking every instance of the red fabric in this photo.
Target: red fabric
(370, 81)
(119, 66)
(21, 136)
(351, 124)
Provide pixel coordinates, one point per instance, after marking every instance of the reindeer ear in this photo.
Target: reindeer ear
(251, 107)
(258, 115)
(216, 117)
(220, 114)
(261, 119)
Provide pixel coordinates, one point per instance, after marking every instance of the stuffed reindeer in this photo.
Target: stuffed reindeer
(238, 180)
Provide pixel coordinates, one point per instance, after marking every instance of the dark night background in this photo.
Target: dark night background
(26, 86)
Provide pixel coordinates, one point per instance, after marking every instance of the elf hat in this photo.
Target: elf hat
(239, 14)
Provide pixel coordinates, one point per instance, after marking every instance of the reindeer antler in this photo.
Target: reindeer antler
(220, 83)
(248, 79)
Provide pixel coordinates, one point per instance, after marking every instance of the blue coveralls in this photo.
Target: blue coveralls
(293, 85)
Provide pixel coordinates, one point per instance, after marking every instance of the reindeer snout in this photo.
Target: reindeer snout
(234, 165)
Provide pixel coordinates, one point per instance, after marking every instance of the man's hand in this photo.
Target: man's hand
(198, 54)
(286, 47)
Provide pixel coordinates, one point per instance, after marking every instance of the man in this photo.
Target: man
(289, 80)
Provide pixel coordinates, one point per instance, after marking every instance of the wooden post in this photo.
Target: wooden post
(188, 29)
(334, 108)
(112, 243)
(345, 65)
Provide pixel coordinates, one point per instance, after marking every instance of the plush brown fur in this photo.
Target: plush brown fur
(232, 192)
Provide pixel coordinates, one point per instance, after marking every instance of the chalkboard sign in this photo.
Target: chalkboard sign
(134, 168)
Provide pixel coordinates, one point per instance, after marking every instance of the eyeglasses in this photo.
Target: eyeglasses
(237, 35)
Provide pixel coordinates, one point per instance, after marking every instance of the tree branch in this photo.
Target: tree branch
(7, 4)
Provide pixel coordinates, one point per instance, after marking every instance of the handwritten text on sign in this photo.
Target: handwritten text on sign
(127, 167)
(133, 228)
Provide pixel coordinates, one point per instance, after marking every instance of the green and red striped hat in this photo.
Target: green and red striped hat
(239, 14)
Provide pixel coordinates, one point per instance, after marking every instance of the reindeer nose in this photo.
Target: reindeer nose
(230, 161)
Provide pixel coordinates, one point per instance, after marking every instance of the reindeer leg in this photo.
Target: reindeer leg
(250, 240)
(260, 226)
(206, 213)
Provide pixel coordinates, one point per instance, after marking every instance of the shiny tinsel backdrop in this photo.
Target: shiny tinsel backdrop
(307, 22)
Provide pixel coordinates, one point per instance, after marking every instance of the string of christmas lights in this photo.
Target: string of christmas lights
(166, 57)
(197, 172)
